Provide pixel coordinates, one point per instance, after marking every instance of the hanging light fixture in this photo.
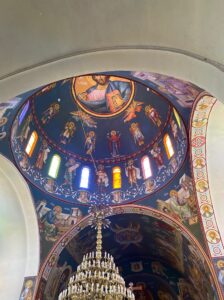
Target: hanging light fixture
(97, 277)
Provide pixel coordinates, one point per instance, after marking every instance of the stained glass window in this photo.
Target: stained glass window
(54, 166)
(168, 146)
(116, 172)
(31, 143)
(84, 182)
(177, 117)
(23, 112)
(146, 168)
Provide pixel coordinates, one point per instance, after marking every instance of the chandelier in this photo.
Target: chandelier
(97, 277)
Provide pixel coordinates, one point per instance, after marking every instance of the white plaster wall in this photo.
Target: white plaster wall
(42, 41)
(181, 66)
(19, 238)
(34, 32)
(215, 162)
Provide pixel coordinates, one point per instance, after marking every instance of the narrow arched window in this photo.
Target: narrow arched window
(168, 146)
(54, 166)
(177, 117)
(84, 182)
(31, 143)
(116, 172)
(146, 167)
(23, 112)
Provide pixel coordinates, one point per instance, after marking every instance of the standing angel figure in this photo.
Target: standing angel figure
(137, 134)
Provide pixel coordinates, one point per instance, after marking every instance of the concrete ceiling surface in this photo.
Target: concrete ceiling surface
(36, 32)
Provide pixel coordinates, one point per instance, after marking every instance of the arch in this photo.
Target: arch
(117, 180)
(20, 248)
(121, 209)
(198, 138)
(168, 146)
(146, 167)
(84, 180)
(54, 166)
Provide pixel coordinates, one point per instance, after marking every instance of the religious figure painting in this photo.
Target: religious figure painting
(133, 173)
(152, 114)
(27, 292)
(70, 171)
(102, 179)
(102, 95)
(114, 139)
(90, 142)
(42, 155)
(50, 112)
(137, 135)
(68, 132)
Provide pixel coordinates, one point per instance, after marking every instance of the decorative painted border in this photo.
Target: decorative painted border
(199, 122)
(123, 209)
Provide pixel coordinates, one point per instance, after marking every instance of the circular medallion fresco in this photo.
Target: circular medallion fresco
(102, 95)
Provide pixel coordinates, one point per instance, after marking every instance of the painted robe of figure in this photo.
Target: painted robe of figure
(157, 155)
(42, 155)
(71, 166)
(114, 142)
(27, 293)
(102, 179)
(90, 142)
(137, 134)
(132, 173)
(68, 132)
(179, 206)
(49, 220)
(152, 114)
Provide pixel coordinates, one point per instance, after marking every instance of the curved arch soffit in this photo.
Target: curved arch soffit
(202, 152)
(167, 61)
(19, 231)
(122, 209)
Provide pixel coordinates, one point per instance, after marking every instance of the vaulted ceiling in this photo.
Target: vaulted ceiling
(48, 41)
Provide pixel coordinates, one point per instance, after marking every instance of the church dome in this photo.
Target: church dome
(99, 136)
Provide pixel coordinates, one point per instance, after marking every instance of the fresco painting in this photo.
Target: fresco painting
(5, 111)
(28, 288)
(184, 276)
(115, 120)
(184, 92)
(181, 204)
(50, 112)
(102, 94)
(67, 183)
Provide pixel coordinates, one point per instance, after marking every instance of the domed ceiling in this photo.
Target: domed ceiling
(128, 138)
(116, 137)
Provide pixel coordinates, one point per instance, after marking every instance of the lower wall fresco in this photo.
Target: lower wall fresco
(194, 252)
